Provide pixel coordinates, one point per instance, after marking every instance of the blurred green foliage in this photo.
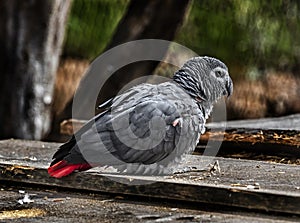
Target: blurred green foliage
(252, 35)
(249, 35)
(91, 25)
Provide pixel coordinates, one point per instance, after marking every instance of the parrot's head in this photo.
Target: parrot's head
(205, 79)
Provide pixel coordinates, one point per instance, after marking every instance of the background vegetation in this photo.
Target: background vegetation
(251, 35)
(91, 25)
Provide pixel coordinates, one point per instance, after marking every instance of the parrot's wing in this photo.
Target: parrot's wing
(142, 134)
(70, 150)
(65, 149)
(143, 126)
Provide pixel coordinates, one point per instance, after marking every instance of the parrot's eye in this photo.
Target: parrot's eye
(219, 73)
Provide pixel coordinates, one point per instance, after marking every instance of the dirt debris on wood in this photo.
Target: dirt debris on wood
(230, 180)
(253, 136)
(89, 207)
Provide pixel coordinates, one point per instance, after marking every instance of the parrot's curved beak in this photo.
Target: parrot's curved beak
(229, 87)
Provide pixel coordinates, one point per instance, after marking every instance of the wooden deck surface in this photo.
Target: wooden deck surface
(290, 122)
(64, 206)
(256, 186)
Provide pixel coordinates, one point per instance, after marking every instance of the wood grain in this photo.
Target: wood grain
(245, 184)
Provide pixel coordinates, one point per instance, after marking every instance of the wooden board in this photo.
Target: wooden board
(276, 145)
(290, 122)
(242, 133)
(253, 185)
(70, 206)
(265, 144)
(287, 138)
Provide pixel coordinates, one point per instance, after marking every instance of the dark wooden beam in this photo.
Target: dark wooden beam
(289, 122)
(237, 135)
(239, 183)
(274, 142)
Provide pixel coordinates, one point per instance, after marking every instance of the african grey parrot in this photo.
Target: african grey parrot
(148, 128)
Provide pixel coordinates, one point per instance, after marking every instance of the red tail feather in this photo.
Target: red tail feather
(63, 168)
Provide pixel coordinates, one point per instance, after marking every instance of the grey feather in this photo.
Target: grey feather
(137, 134)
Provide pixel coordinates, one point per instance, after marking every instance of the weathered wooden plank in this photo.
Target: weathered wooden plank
(245, 184)
(290, 122)
(267, 200)
(65, 206)
(241, 135)
(253, 136)
(69, 126)
(282, 144)
(265, 144)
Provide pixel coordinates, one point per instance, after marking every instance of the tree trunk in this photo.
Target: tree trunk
(31, 35)
(144, 19)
